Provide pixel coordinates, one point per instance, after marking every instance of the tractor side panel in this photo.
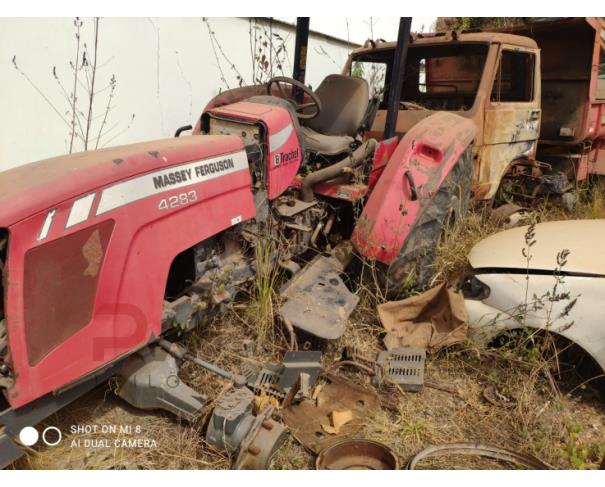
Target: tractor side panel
(86, 279)
(423, 158)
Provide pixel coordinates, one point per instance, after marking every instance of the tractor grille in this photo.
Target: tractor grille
(54, 309)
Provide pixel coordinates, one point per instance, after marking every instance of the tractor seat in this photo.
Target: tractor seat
(344, 102)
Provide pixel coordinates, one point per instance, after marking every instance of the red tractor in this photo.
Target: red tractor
(107, 253)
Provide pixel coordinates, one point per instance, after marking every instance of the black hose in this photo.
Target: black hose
(358, 156)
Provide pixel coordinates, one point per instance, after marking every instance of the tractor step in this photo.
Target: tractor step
(317, 300)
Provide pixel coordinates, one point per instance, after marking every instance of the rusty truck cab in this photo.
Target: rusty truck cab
(572, 50)
(491, 78)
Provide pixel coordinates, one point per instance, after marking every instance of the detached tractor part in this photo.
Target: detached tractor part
(293, 379)
(357, 454)
(402, 366)
(149, 380)
(440, 209)
(235, 427)
(317, 300)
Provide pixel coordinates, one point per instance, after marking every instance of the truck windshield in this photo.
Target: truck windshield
(437, 77)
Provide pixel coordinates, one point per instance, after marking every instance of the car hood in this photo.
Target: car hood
(585, 240)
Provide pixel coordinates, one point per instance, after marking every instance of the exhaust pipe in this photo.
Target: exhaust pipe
(357, 157)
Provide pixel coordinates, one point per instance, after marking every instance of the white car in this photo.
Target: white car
(557, 283)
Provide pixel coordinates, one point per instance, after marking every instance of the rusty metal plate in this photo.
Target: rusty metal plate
(317, 300)
(305, 419)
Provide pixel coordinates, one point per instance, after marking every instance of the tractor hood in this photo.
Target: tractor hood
(31, 188)
(583, 238)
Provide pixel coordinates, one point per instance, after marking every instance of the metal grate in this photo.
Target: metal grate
(265, 380)
(403, 366)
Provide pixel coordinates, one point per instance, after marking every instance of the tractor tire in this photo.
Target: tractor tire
(3, 338)
(418, 252)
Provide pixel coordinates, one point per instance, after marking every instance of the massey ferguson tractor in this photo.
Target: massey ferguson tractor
(108, 255)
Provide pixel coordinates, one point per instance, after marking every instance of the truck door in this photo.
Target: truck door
(512, 115)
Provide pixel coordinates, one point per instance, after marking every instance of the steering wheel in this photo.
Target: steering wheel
(299, 108)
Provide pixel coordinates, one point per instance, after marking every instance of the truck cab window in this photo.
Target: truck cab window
(437, 77)
(514, 80)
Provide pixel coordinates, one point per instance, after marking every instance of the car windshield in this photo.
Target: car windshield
(437, 77)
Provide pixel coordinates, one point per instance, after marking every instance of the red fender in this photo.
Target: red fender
(420, 163)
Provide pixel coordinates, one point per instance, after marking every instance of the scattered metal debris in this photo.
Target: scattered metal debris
(358, 454)
(265, 437)
(304, 365)
(317, 300)
(299, 369)
(403, 366)
(479, 449)
(305, 419)
(149, 380)
(231, 419)
(181, 353)
(235, 428)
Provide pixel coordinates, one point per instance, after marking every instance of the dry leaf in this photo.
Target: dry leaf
(264, 400)
(339, 418)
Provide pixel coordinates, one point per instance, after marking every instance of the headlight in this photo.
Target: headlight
(473, 288)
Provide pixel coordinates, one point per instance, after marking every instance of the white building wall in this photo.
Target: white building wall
(165, 69)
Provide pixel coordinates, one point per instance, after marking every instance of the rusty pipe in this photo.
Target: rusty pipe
(358, 156)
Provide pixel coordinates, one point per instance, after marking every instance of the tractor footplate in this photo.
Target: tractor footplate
(317, 300)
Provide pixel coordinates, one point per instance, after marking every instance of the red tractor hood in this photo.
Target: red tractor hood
(31, 188)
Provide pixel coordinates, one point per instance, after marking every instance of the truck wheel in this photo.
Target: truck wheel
(436, 213)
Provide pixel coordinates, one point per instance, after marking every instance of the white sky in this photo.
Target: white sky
(359, 27)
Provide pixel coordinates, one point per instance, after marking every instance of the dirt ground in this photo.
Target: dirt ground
(562, 422)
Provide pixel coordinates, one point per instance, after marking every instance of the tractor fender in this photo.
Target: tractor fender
(412, 178)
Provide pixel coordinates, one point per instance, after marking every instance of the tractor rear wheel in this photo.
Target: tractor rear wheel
(414, 265)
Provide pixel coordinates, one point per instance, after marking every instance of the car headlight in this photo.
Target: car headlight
(473, 288)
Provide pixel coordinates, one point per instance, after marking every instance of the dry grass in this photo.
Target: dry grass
(563, 429)
(450, 262)
(451, 259)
